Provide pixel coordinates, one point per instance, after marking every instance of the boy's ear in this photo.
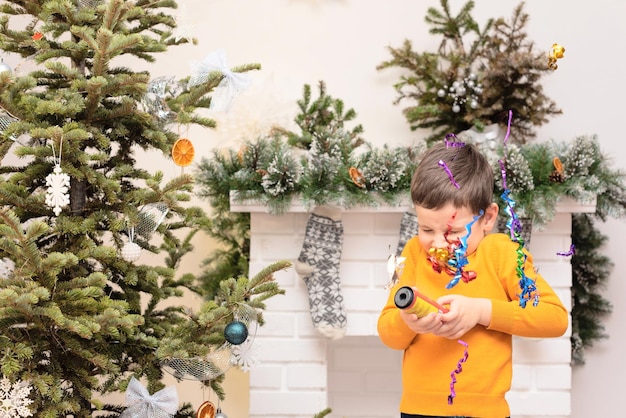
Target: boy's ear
(490, 216)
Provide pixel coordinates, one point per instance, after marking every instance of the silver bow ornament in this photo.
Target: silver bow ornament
(140, 404)
(232, 83)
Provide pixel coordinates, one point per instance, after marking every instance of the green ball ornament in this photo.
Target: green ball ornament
(236, 332)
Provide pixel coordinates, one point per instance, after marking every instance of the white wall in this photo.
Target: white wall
(342, 41)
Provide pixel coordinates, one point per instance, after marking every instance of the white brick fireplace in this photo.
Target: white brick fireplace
(300, 373)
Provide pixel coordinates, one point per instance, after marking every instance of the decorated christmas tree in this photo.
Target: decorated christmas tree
(82, 314)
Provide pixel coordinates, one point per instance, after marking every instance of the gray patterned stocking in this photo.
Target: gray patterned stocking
(318, 266)
(408, 229)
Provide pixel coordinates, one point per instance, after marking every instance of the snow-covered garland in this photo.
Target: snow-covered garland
(538, 174)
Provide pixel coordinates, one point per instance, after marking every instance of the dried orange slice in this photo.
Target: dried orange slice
(558, 165)
(183, 152)
(206, 410)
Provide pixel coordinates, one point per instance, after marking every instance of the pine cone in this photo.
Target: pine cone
(556, 177)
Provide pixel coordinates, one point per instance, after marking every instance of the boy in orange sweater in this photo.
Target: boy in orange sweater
(458, 361)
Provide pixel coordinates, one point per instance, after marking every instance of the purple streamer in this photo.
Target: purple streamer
(572, 251)
(459, 369)
(508, 127)
(443, 165)
(453, 143)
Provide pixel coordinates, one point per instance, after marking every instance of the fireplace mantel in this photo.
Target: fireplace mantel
(565, 205)
(300, 372)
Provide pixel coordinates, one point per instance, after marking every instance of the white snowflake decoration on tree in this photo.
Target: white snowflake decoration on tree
(57, 196)
(14, 400)
(246, 355)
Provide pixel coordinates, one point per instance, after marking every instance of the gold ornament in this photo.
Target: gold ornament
(556, 52)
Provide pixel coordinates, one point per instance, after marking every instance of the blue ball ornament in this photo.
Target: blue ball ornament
(236, 332)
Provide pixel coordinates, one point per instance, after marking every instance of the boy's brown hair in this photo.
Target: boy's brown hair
(432, 187)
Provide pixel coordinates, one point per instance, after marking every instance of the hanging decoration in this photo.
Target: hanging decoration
(232, 83)
(220, 414)
(246, 355)
(158, 91)
(6, 118)
(222, 358)
(556, 52)
(206, 410)
(140, 404)
(151, 215)
(14, 400)
(58, 183)
(4, 67)
(131, 251)
(183, 152)
(236, 333)
(184, 24)
(90, 3)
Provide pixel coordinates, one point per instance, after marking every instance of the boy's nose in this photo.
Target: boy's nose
(439, 242)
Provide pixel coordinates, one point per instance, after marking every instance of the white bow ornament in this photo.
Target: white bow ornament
(232, 83)
(140, 404)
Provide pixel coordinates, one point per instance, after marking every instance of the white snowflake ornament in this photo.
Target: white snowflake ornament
(14, 400)
(245, 355)
(131, 251)
(57, 196)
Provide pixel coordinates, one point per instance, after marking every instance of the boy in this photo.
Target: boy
(475, 276)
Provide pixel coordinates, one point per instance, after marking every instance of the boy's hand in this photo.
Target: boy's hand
(463, 315)
(424, 325)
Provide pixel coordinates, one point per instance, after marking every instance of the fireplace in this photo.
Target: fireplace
(300, 373)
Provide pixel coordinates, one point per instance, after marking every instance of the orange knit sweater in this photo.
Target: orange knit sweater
(486, 375)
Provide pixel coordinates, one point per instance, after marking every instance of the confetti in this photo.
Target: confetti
(572, 251)
(443, 165)
(457, 370)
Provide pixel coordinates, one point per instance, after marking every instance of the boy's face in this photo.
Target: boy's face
(434, 224)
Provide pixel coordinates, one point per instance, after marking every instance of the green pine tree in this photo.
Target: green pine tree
(78, 318)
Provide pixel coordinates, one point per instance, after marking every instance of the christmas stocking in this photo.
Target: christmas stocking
(408, 229)
(318, 266)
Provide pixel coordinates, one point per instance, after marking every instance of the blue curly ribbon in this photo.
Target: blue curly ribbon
(460, 259)
(527, 285)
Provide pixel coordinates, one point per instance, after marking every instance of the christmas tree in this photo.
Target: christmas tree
(81, 316)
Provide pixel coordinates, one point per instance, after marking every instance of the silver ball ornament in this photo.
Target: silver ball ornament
(441, 92)
(456, 108)
(131, 251)
(5, 68)
(220, 414)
